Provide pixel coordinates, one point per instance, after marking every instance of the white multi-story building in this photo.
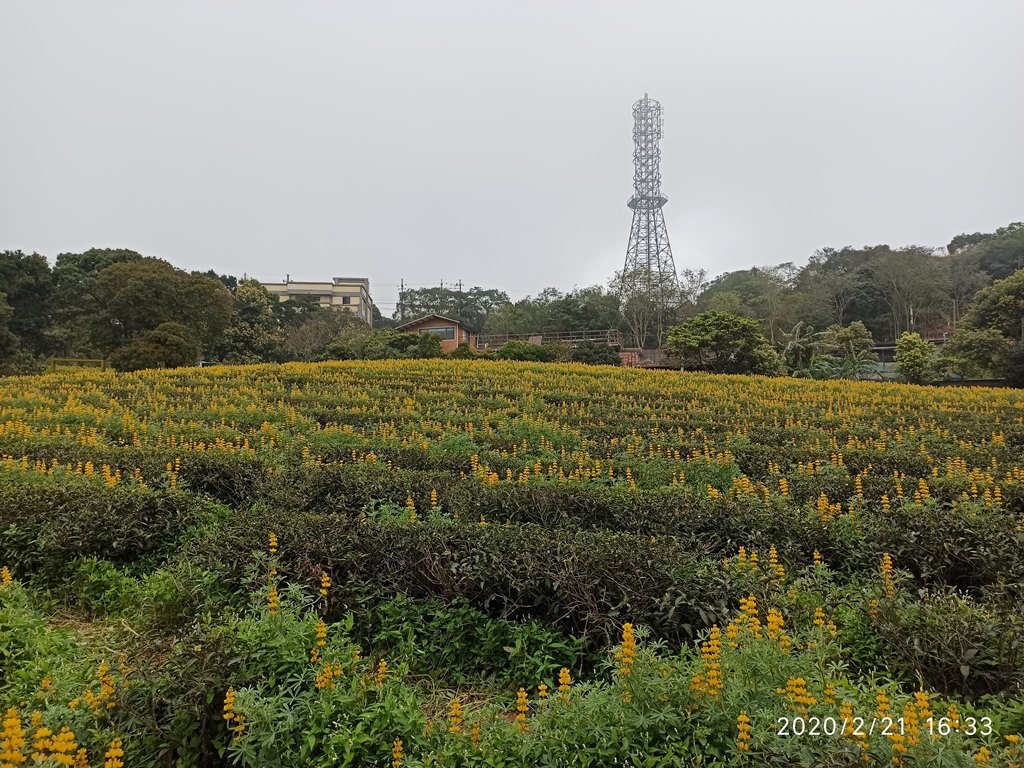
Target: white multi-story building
(351, 293)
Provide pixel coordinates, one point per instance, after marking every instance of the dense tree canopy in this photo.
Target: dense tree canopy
(8, 341)
(139, 295)
(723, 343)
(471, 308)
(253, 333)
(80, 317)
(551, 311)
(1000, 307)
(28, 283)
(93, 303)
(169, 345)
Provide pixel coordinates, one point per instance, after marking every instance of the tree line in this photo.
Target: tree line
(138, 311)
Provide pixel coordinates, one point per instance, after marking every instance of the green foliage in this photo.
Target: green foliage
(170, 345)
(525, 351)
(916, 359)
(142, 294)
(161, 600)
(427, 345)
(998, 254)
(578, 581)
(593, 353)
(472, 308)
(844, 342)
(253, 334)
(550, 311)
(531, 546)
(47, 527)
(27, 284)
(973, 353)
(8, 341)
(765, 293)
(1013, 365)
(100, 587)
(382, 344)
(463, 352)
(1000, 307)
(455, 642)
(843, 352)
(297, 310)
(309, 335)
(953, 644)
(31, 647)
(723, 343)
(797, 347)
(82, 327)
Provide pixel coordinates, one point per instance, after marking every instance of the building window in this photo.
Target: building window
(346, 300)
(447, 333)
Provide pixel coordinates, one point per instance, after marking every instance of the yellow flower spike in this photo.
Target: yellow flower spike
(564, 682)
(626, 654)
(273, 600)
(13, 736)
(743, 728)
(397, 754)
(886, 570)
(455, 716)
(522, 709)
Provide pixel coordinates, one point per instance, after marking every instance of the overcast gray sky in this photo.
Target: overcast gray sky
(491, 142)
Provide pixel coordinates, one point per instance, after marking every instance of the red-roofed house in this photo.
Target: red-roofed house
(451, 332)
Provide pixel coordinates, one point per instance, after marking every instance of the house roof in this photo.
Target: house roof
(419, 320)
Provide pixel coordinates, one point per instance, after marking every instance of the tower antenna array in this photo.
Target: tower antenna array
(648, 285)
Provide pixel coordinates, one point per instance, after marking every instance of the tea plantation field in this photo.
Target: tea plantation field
(467, 563)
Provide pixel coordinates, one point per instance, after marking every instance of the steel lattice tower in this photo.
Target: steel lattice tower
(649, 275)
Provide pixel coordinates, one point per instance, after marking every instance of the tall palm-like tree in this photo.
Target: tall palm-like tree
(797, 347)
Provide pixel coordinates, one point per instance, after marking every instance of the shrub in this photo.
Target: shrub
(953, 644)
(169, 345)
(1013, 365)
(523, 350)
(49, 526)
(916, 359)
(578, 581)
(460, 644)
(463, 352)
(593, 353)
(721, 342)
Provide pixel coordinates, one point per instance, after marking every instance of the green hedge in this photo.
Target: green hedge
(231, 479)
(968, 548)
(584, 583)
(47, 524)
